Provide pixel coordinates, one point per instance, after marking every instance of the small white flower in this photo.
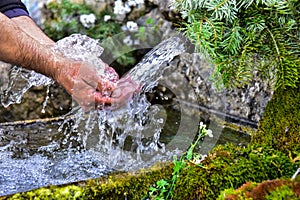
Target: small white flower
(132, 26)
(127, 40)
(209, 133)
(202, 125)
(88, 20)
(119, 8)
(198, 158)
(137, 42)
(118, 4)
(132, 3)
(139, 2)
(127, 8)
(106, 18)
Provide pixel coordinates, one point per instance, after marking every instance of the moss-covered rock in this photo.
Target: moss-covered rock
(267, 190)
(231, 167)
(226, 167)
(280, 126)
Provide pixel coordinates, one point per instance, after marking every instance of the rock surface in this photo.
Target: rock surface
(248, 102)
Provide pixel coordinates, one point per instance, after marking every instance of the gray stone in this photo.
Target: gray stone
(247, 102)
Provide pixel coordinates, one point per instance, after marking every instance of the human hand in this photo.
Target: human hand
(124, 90)
(86, 85)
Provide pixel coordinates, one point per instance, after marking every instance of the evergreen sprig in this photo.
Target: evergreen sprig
(243, 36)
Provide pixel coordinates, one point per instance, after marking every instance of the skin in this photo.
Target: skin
(22, 43)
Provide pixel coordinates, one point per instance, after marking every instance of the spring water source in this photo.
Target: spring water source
(86, 145)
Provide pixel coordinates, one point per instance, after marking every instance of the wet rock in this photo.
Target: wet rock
(32, 104)
(98, 6)
(136, 13)
(31, 107)
(167, 10)
(158, 21)
(248, 102)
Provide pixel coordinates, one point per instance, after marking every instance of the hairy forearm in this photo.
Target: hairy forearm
(20, 48)
(28, 26)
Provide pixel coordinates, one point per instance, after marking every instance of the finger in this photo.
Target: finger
(106, 86)
(90, 82)
(117, 93)
(104, 100)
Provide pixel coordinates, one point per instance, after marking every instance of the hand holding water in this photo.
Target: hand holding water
(124, 91)
(91, 89)
(88, 88)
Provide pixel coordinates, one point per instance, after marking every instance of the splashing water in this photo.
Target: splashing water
(127, 138)
(20, 81)
(149, 70)
(88, 145)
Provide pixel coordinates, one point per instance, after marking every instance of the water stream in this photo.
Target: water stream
(82, 145)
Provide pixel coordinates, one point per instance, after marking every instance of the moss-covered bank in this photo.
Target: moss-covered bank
(115, 186)
(280, 126)
(225, 167)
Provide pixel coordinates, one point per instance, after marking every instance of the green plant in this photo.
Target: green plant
(63, 20)
(164, 188)
(242, 36)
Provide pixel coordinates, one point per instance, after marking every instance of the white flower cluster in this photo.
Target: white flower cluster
(129, 41)
(88, 21)
(132, 26)
(122, 8)
(207, 132)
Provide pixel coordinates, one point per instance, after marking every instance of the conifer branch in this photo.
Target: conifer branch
(240, 36)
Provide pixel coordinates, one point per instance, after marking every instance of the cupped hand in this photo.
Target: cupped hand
(89, 87)
(124, 90)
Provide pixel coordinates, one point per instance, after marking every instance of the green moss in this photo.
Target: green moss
(67, 192)
(231, 167)
(280, 126)
(282, 193)
(279, 189)
(238, 194)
